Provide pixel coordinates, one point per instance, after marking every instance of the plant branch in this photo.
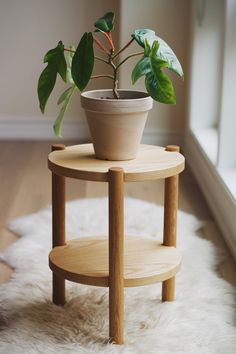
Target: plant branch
(128, 57)
(115, 79)
(101, 59)
(101, 46)
(69, 50)
(109, 38)
(122, 49)
(101, 76)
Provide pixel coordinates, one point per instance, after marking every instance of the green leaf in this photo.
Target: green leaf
(147, 48)
(66, 99)
(46, 84)
(56, 58)
(154, 49)
(64, 95)
(56, 64)
(106, 22)
(143, 67)
(164, 52)
(68, 76)
(158, 85)
(52, 53)
(140, 35)
(83, 61)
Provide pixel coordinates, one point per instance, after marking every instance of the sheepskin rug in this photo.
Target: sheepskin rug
(200, 321)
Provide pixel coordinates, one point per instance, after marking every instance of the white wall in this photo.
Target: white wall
(28, 28)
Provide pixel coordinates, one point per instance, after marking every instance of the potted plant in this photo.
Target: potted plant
(116, 118)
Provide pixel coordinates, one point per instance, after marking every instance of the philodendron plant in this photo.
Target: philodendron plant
(75, 65)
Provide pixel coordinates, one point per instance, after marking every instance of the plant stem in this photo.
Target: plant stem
(115, 80)
(100, 45)
(69, 50)
(122, 49)
(101, 59)
(109, 38)
(128, 57)
(110, 61)
(103, 75)
(115, 85)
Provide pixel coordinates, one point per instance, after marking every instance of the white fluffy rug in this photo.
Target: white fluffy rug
(200, 321)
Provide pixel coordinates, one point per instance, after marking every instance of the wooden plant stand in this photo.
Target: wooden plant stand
(121, 262)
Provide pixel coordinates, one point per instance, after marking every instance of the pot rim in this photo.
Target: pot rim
(93, 101)
(89, 95)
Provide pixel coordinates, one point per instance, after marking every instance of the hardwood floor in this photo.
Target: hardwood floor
(26, 187)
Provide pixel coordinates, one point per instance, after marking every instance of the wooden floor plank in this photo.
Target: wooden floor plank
(25, 186)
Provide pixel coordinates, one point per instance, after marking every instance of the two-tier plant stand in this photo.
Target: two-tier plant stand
(115, 261)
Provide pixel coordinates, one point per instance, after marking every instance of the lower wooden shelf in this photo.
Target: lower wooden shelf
(85, 261)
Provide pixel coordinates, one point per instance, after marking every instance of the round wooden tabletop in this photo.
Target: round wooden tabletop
(85, 261)
(79, 161)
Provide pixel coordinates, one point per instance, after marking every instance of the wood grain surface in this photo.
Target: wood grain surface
(86, 261)
(116, 254)
(24, 163)
(152, 162)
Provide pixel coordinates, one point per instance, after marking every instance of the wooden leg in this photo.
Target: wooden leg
(116, 255)
(58, 290)
(168, 289)
(170, 222)
(58, 228)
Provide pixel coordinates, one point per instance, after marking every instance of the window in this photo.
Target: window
(226, 162)
(211, 137)
(213, 85)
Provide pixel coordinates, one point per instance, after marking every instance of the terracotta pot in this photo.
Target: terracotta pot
(116, 126)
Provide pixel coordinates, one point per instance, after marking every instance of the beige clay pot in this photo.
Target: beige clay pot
(116, 126)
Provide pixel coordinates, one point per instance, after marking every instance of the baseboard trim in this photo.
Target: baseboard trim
(218, 197)
(41, 128)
